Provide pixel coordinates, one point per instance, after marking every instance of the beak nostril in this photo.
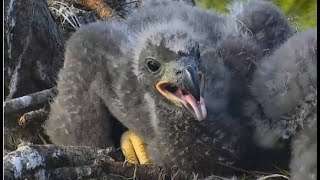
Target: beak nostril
(178, 72)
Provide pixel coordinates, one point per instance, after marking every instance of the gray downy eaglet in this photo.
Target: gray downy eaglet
(179, 77)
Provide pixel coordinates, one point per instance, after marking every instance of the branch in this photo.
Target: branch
(33, 118)
(72, 162)
(30, 100)
(101, 8)
(107, 10)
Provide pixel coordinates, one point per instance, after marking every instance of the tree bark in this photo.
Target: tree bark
(34, 48)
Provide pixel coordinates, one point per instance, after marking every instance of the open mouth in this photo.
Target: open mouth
(180, 95)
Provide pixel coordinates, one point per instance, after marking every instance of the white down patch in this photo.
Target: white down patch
(150, 105)
(236, 8)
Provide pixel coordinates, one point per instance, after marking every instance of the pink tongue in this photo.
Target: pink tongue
(196, 106)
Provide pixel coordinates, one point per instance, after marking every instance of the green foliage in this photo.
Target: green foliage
(218, 5)
(303, 12)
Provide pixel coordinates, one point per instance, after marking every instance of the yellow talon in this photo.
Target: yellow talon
(133, 148)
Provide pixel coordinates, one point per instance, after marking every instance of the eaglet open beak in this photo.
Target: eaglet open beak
(189, 94)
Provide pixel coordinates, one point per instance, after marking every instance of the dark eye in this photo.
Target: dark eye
(152, 65)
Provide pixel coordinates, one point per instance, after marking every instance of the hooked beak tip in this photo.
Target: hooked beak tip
(191, 82)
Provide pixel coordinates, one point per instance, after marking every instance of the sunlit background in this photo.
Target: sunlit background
(303, 13)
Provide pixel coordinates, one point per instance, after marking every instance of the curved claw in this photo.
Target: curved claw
(133, 148)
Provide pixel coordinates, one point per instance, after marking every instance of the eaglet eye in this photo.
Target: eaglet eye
(152, 65)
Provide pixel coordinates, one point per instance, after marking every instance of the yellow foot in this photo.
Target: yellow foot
(133, 148)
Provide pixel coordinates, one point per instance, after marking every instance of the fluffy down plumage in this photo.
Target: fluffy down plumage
(285, 90)
(105, 75)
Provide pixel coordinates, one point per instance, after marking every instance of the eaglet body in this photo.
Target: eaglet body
(105, 72)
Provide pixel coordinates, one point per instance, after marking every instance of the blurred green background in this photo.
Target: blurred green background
(302, 13)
